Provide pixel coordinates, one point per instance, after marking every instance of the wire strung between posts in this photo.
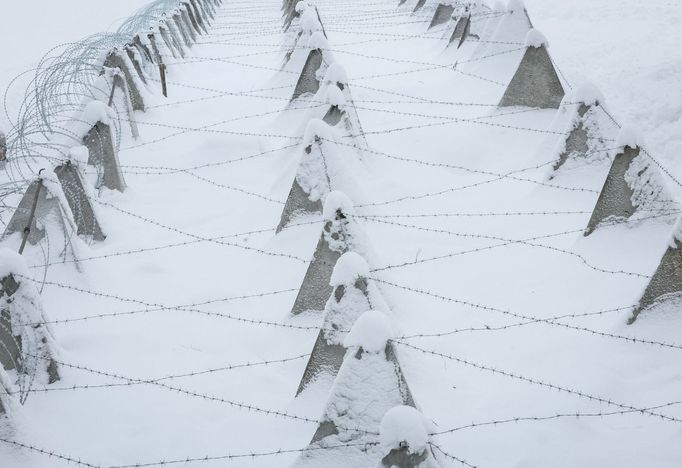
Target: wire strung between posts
(575, 415)
(168, 377)
(540, 383)
(627, 339)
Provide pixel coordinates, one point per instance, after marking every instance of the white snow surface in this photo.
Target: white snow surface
(536, 39)
(404, 424)
(371, 332)
(349, 267)
(162, 326)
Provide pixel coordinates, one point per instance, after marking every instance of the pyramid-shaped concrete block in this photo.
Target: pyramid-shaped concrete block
(420, 4)
(462, 30)
(116, 59)
(27, 345)
(442, 15)
(353, 293)
(42, 207)
(341, 112)
(633, 186)
(535, 83)
(79, 202)
(340, 234)
(585, 125)
(311, 183)
(404, 436)
(369, 383)
(315, 67)
(665, 286)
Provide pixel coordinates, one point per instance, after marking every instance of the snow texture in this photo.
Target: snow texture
(536, 39)
(630, 136)
(348, 269)
(371, 332)
(337, 201)
(404, 425)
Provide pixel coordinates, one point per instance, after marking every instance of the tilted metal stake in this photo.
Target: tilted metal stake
(27, 229)
(162, 72)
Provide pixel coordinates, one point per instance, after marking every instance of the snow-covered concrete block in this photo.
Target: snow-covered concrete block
(664, 289)
(311, 183)
(81, 208)
(442, 15)
(30, 348)
(182, 28)
(404, 435)
(117, 60)
(38, 209)
(190, 18)
(462, 30)
(353, 293)
(535, 83)
(102, 155)
(633, 186)
(586, 126)
(339, 235)
(369, 383)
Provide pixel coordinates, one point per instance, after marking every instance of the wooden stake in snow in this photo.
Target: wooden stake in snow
(535, 83)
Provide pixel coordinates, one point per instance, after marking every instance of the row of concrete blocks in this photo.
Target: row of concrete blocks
(536, 84)
(328, 288)
(629, 185)
(62, 199)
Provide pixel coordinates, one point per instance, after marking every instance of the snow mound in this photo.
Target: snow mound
(318, 41)
(371, 332)
(404, 425)
(97, 111)
(349, 267)
(316, 128)
(515, 5)
(336, 74)
(588, 94)
(536, 39)
(630, 136)
(335, 96)
(334, 202)
(301, 6)
(12, 262)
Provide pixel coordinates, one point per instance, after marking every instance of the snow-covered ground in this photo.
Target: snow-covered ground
(156, 324)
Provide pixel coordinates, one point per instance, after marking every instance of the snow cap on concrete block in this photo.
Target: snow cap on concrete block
(371, 332)
(515, 5)
(309, 22)
(404, 425)
(337, 201)
(11, 262)
(97, 111)
(335, 96)
(301, 6)
(587, 93)
(534, 38)
(316, 128)
(318, 41)
(630, 136)
(499, 6)
(348, 269)
(335, 74)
